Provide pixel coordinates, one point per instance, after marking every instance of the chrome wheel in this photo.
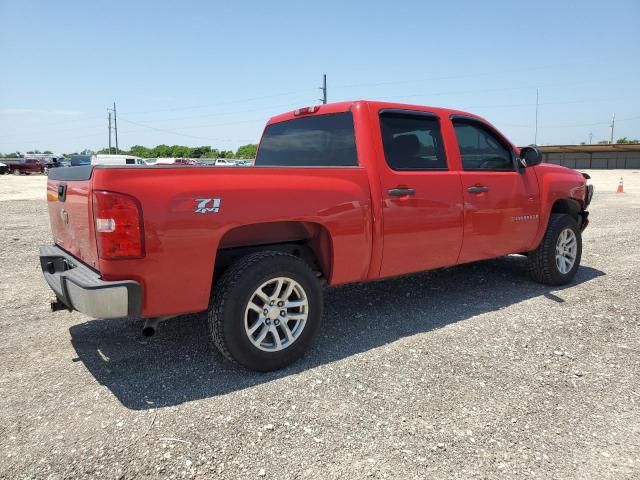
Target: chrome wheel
(276, 314)
(566, 250)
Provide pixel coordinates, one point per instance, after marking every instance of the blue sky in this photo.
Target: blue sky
(211, 72)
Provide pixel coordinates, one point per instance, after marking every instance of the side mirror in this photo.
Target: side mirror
(530, 157)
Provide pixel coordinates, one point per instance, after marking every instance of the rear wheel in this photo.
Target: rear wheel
(556, 260)
(265, 310)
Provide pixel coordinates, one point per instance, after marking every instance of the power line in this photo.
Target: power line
(452, 77)
(197, 107)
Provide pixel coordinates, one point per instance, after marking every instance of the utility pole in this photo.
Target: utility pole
(590, 137)
(611, 127)
(324, 89)
(115, 125)
(535, 136)
(109, 130)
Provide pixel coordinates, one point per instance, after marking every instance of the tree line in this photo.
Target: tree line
(183, 151)
(163, 151)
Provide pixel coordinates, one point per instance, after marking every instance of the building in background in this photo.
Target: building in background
(606, 156)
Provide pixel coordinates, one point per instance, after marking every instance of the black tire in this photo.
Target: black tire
(542, 261)
(231, 295)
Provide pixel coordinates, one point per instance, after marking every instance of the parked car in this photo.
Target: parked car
(79, 160)
(101, 159)
(26, 166)
(175, 161)
(340, 193)
(3, 168)
(223, 162)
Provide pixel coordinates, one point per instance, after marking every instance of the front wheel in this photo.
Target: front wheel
(265, 310)
(556, 260)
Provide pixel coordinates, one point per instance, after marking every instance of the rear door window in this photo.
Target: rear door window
(315, 141)
(412, 141)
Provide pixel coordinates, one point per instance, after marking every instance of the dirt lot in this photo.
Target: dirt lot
(471, 372)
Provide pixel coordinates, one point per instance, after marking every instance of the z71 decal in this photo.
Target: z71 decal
(207, 205)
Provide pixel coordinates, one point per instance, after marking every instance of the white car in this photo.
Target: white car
(223, 162)
(116, 160)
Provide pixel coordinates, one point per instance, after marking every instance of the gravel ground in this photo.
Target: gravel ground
(469, 372)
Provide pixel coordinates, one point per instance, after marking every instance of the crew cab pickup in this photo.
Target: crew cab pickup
(26, 166)
(345, 192)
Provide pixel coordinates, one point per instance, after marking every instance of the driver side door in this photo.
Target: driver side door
(501, 204)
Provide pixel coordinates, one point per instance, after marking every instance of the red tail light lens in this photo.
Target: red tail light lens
(118, 223)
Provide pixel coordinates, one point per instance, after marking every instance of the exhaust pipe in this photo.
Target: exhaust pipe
(151, 325)
(57, 305)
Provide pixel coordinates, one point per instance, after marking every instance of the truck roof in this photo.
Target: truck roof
(349, 105)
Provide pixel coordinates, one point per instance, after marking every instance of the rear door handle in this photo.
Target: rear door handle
(401, 192)
(477, 189)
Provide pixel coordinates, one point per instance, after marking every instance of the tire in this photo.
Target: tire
(544, 266)
(16, 172)
(230, 316)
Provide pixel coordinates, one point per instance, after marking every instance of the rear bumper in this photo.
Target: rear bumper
(81, 288)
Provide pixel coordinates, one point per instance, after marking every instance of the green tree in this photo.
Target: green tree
(47, 152)
(213, 153)
(247, 151)
(199, 152)
(180, 151)
(627, 140)
(140, 151)
(161, 151)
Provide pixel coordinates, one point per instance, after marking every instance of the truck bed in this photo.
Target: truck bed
(181, 236)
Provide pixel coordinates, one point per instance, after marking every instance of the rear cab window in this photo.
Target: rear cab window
(315, 141)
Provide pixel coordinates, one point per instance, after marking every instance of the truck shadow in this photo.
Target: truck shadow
(178, 366)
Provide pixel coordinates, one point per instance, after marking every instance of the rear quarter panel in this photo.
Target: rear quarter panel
(181, 245)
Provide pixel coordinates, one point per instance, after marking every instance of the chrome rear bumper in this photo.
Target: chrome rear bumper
(81, 288)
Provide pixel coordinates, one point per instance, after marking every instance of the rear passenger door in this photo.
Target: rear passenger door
(421, 197)
(501, 204)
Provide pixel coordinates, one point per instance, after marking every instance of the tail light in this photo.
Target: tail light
(118, 222)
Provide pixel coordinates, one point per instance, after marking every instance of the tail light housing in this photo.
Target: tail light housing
(118, 226)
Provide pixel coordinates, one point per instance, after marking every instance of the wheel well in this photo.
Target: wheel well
(307, 240)
(568, 206)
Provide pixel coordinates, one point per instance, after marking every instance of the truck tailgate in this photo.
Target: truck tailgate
(70, 212)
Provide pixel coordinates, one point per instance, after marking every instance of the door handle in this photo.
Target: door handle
(477, 189)
(401, 192)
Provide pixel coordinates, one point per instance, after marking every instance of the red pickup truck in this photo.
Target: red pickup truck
(345, 192)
